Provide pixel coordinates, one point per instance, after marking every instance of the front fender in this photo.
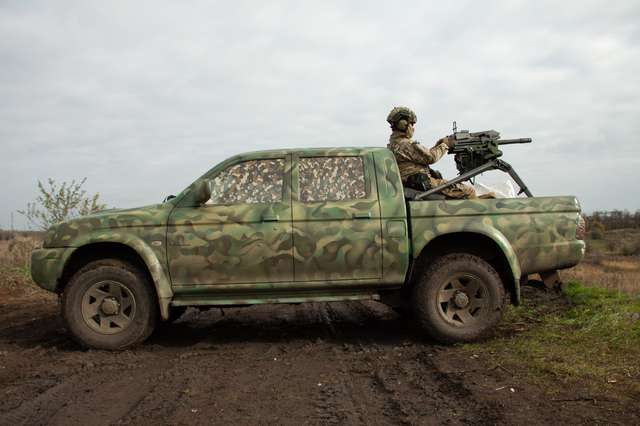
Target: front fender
(150, 249)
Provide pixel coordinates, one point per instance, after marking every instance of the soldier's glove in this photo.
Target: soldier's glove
(450, 141)
(434, 173)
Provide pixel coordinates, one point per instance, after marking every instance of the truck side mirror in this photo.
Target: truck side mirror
(202, 191)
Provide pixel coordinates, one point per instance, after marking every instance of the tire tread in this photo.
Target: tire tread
(96, 268)
(423, 310)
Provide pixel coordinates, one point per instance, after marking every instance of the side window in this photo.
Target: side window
(255, 181)
(331, 179)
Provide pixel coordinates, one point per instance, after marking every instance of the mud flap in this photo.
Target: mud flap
(164, 303)
(551, 280)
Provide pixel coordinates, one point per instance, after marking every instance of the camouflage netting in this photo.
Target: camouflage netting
(331, 179)
(257, 181)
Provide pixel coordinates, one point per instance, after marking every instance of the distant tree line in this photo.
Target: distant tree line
(614, 219)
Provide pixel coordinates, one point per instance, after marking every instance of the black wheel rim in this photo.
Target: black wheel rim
(463, 300)
(108, 307)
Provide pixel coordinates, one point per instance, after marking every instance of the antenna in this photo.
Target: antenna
(455, 127)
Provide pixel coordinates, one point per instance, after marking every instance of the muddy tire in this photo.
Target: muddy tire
(109, 304)
(459, 298)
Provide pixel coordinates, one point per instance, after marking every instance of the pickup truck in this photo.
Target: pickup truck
(294, 226)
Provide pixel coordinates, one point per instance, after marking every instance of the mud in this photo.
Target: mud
(343, 363)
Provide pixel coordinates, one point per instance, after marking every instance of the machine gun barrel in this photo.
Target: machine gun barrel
(511, 141)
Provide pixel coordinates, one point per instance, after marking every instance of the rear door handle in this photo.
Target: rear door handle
(362, 215)
(270, 218)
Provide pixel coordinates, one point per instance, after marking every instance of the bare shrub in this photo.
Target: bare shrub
(59, 202)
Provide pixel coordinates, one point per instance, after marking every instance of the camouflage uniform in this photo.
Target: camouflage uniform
(414, 159)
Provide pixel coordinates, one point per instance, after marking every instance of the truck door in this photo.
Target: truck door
(336, 218)
(242, 234)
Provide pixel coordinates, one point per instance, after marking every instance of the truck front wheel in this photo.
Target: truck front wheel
(459, 298)
(109, 304)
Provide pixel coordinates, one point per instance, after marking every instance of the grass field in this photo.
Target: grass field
(587, 338)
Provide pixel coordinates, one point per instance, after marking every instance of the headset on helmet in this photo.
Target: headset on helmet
(400, 117)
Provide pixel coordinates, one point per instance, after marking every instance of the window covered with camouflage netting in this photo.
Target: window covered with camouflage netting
(256, 181)
(331, 178)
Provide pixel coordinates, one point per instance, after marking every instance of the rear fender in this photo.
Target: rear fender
(421, 241)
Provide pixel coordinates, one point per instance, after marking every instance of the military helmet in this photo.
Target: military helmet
(400, 117)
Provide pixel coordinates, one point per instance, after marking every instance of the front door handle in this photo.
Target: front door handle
(362, 215)
(270, 218)
(177, 241)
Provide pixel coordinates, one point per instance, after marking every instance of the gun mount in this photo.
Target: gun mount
(476, 153)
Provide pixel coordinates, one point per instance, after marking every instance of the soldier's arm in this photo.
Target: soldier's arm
(429, 155)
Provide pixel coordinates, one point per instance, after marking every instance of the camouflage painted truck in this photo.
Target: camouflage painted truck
(295, 226)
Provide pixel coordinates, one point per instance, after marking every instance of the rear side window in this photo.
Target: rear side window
(331, 179)
(255, 181)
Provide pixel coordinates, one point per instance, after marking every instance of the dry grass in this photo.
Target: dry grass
(611, 262)
(15, 265)
(613, 272)
(16, 252)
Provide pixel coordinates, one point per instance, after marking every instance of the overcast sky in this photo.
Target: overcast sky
(143, 97)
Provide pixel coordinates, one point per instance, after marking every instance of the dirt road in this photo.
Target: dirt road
(343, 363)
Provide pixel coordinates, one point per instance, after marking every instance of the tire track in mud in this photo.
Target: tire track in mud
(33, 411)
(363, 400)
(340, 363)
(417, 392)
(398, 382)
(457, 396)
(52, 381)
(240, 373)
(356, 398)
(102, 393)
(337, 402)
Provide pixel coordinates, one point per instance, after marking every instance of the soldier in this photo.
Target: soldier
(414, 159)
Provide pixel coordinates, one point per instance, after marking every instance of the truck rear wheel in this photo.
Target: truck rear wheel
(109, 304)
(459, 298)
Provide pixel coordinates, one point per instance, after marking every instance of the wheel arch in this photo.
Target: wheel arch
(135, 252)
(493, 248)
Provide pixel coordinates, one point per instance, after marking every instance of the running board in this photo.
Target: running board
(257, 299)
